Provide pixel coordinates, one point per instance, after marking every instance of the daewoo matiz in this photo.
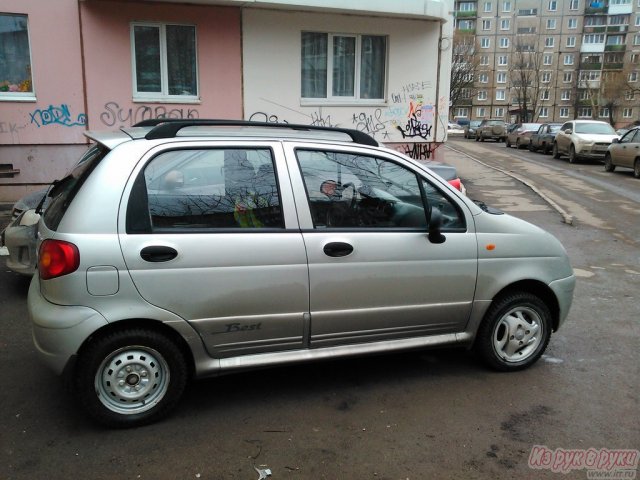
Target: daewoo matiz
(187, 249)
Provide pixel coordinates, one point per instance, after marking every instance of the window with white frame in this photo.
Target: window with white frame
(620, 2)
(16, 82)
(574, 4)
(482, 94)
(499, 112)
(484, 78)
(544, 95)
(593, 38)
(343, 67)
(565, 95)
(484, 60)
(572, 23)
(564, 112)
(506, 6)
(584, 95)
(627, 112)
(461, 112)
(597, 21)
(615, 40)
(505, 24)
(629, 95)
(571, 41)
(590, 76)
(486, 24)
(501, 77)
(487, 7)
(551, 23)
(467, 7)
(544, 112)
(501, 95)
(503, 60)
(547, 59)
(568, 59)
(633, 77)
(603, 112)
(466, 24)
(636, 39)
(504, 42)
(548, 42)
(485, 42)
(546, 77)
(481, 112)
(637, 24)
(567, 77)
(165, 63)
(584, 112)
(553, 5)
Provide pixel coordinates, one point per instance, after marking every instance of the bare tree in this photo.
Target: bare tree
(464, 69)
(526, 80)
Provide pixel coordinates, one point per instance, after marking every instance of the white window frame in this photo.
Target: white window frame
(637, 23)
(341, 100)
(481, 112)
(486, 24)
(483, 78)
(544, 112)
(564, 112)
(505, 24)
(574, 5)
(461, 112)
(501, 77)
(504, 42)
(544, 95)
(572, 23)
(503, 60)
(636, 39)
(498, 112)
(546, 77)
(569, 59)
(551, 23)
(17, 96)
(553, 5)
(506, 6)
(549, 42)
(484, 60)
(501, 94)
(571, 41)
(482, 95)
(603, 112)
(565, 95)
(163, 95)
(488, 7)
(585, 112)
(627, 112)
(547, 59)
(485, 42)
(633, 77)
(567, 77)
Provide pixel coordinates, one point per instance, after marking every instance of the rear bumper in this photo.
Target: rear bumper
(59, 331)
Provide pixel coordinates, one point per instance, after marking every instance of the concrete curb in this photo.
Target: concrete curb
(566, 218)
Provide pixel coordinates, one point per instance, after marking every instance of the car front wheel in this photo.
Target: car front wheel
(515, 332)
(130, 377)
(573, 156)
(555, 152)
(608, 164)
(636, 168)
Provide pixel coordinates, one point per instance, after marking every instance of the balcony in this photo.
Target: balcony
(466, 14)
(591, 66)
(617, 28)
(615, 48)
(594, 29)
(467, 30)
(596, 8)
(614, 66)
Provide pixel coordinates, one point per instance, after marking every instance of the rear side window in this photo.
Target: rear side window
(206, 189)
(63, 191)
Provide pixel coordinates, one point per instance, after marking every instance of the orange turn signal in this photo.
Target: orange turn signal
(490, 246)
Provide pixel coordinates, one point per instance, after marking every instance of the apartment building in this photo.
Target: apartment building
(581, 58)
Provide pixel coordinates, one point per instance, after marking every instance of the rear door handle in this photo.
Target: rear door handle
(158, 253)
(337, 249)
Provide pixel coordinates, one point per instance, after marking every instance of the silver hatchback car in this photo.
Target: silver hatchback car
(182, 249)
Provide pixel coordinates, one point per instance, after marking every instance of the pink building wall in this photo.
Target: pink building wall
(107, 55)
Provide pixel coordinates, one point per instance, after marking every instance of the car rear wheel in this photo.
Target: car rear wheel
(573, 156)
(608, 165)
(515, 332)
(507, 143)
(555, 152)
(531, 147)
(636, 168)
(130, 377)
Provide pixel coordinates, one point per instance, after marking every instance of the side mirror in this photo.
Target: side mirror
(435, 225)
(615, 140)
(568, 131)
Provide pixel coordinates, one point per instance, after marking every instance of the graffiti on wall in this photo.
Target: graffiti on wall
(115, 114)
(417, 151)
(9, 127)
(57, 115)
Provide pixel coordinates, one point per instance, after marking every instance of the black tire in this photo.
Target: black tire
(532, 149)
(151, 371)
(554, 151)
(573, 156)
(636, 168)
(545, 149)
(608, 165)
(482, 138)
(519, 145)
(531, 326)
(507, 143)
(477, 138)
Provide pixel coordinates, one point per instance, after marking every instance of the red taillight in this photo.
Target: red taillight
(456, 183)
(57, 258)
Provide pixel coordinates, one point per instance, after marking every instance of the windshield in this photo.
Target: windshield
(597, 128)
(554, 128)
(530, 126)
(63, 191)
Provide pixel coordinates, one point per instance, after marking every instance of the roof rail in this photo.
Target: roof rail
(169, 128)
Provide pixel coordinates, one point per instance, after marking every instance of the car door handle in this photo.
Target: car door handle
(158, 253)
(337, 249)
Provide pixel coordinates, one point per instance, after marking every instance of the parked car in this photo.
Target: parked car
(520, 135)
(470, 130)
(176, 252)
(455, 129)
(583, 139)
(544, 137)
(491, 129)
(19, 236)
(624, 153)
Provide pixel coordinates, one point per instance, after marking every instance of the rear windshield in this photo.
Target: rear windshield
(63, 191)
